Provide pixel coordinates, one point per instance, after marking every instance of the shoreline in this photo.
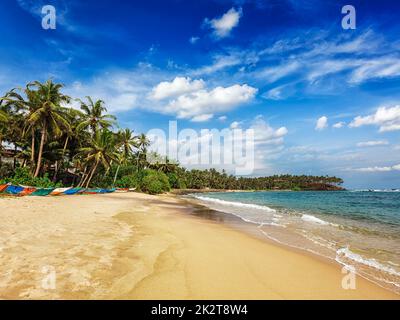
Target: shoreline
(136, 246)
(253, 229)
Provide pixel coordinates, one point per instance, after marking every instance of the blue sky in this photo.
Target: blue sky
(321, 99)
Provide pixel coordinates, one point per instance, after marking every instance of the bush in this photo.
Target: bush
(175, 182)
(154, 182)
(129, 181)
(22, 176)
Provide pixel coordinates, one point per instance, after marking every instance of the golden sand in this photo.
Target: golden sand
(136, 246)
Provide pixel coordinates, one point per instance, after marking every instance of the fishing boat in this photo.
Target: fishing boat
(42, 192)
(72, 191)
(14, 190)
(27, 191)
(91, 191)
(122, 190)
(58, 191)
(3, 187)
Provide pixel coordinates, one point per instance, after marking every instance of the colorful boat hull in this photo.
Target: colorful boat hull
(59, 191)
(27, 191)
(14, 190)
(72, 191)
(42, 192)
(3, 187)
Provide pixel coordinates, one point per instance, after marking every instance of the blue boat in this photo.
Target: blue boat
(72, 191)
(15, 190)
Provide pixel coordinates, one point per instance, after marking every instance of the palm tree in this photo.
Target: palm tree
(100, 151)
(126, 141)
(94, 117)
(3, 129)
(47, 114)
(142, 143)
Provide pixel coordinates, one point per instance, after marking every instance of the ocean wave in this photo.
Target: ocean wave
(310, 218)
(235, 204)
(347, 253)
(375, 190)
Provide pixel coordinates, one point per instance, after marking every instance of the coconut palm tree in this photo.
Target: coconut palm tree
(127, 141)
(142, 143)
(47, 115)
(94, 117)
(101, 150)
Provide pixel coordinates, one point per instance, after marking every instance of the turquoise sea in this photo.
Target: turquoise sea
(356, 228)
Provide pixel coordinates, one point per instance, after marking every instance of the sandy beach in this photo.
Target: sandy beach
(137, 246)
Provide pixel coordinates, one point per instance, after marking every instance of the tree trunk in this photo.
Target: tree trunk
(92, 173)
(57, 167)
(65, 146)
(33, 149)
(15, 156)
(82, 180)
(55, 171)
(1, 152)
(116, 174)
(39, 162)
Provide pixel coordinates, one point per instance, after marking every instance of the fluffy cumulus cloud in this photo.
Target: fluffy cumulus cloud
(223, 25)
(322, 123)
(264, 134)
(202, 104)
(177, 87)
(372, 143)
(387, 118)
(339, 125)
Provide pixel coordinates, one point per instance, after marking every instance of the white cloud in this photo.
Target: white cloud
(193, 40)
(177, 87)
(202, 118)
(387, 118)
(223, 25)
(378, 169)
(372, 143)
(234, 125)
(339, 125)
(212, 101)
(274, 94)
(322, 123)
(222, 118)
(265, 134)
(384, 67)
(271, 74)
(219, 62)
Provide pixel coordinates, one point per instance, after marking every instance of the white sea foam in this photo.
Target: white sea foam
(235, 204)
(347, 253)
(310, 218)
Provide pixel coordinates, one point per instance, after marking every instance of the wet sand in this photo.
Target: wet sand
(136, 246)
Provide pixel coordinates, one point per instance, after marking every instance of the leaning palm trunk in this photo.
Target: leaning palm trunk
(57, 166)
(82, 180)
(39, 162)
(116, 174)
(92, 173)
(33, 149)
